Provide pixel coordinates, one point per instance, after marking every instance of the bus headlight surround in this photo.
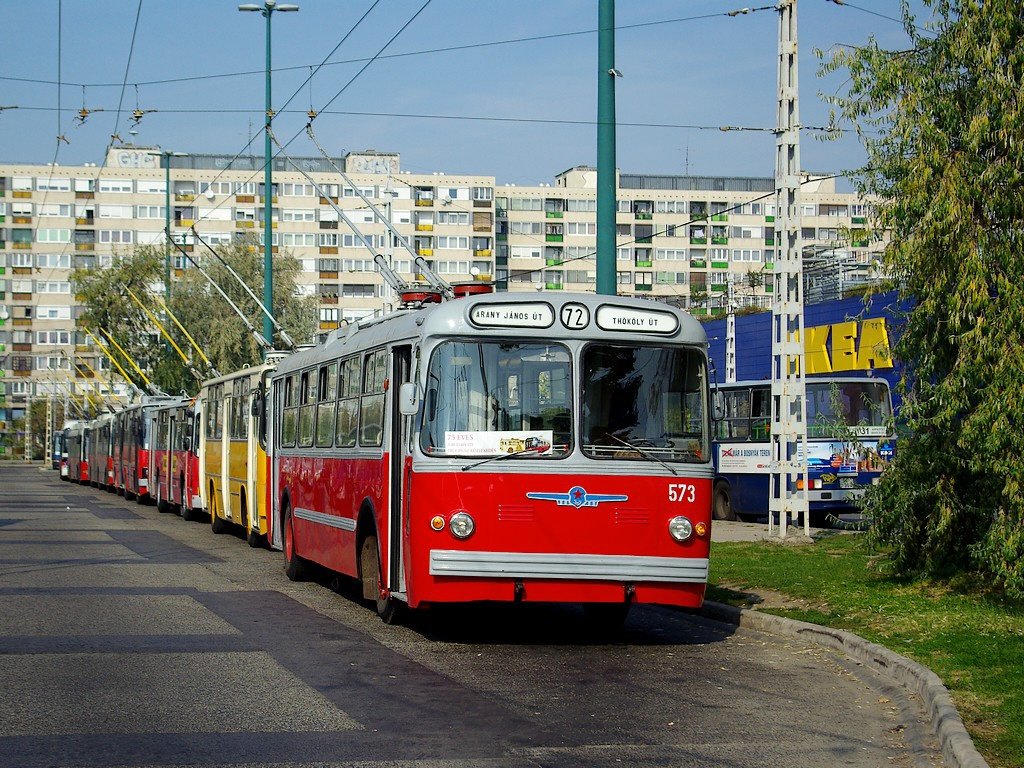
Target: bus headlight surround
(461, 525)
(680, 528)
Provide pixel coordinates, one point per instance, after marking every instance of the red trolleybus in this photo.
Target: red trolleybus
(131, 448)
(171, 460)
(502, 447)
(78, 452)
(101, 460)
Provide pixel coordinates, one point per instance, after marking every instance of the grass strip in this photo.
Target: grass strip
(967, 634)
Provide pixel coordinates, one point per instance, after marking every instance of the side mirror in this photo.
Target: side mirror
(717, 405)
(407, 400)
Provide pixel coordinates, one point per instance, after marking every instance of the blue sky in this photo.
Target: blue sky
(504, 89)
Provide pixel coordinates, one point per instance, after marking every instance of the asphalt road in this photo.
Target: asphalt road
(131, 638)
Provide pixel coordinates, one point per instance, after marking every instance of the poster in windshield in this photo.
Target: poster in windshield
(498, 442)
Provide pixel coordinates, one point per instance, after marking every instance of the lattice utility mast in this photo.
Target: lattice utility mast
(788, 498)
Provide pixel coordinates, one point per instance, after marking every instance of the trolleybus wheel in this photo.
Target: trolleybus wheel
(161, 503)
(369, 572)
(721, 505)
(217, 523)
(295, 567)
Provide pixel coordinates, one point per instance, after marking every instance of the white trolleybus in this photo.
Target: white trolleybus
(500, 447)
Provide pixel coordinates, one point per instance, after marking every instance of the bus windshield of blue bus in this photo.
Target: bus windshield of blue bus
(498, 398)
(864, 407)
(645, 403)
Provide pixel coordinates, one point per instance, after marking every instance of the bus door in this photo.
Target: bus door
(401, 444)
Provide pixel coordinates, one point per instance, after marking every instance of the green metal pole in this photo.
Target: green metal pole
(167, 229)
(606, 74)
(268, 207)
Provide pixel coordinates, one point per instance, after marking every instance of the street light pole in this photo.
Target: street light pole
(267, 9)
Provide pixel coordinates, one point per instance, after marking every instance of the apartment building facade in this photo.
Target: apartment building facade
(699, 243)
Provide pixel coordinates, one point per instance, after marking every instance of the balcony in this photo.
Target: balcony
(553, 214)
(719, 240)
(21, 246)
(328, 201)
(21, 194)
(328, 325)
(553, 238)
(245, 198)
(328, 225)
(21, 219)
(698, 241)
(85, 221)
(719, 217)
(424, 202)
(245, 224)
(325, 275)
(424, 227)
(85, 195)
(329, 249)
(425, 251)
(184, 197)
(482, 253)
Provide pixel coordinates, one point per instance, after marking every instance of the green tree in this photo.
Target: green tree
(205, 315)
(109, 309)
(216, 327)
(944, 134)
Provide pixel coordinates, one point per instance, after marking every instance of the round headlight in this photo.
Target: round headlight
(680, 528)
(461, 525)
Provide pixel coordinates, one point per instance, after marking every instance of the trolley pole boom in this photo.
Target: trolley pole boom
(112, 359)
(264, 344)
(163, 330)
(269, 315)
(188, 336)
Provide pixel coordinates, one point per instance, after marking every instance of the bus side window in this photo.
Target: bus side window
(736, 424)
(347, 423)
(307, 394)
(327, 390)
(290, 416)
(371, 406)
(760, 413)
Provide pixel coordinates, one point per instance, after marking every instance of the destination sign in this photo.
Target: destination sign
(610, 318)
(535, 314)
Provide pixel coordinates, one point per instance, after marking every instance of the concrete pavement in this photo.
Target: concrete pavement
(957, 747)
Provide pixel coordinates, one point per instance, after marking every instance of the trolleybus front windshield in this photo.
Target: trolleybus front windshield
(498, 398)
(644, 403)
(862, 406)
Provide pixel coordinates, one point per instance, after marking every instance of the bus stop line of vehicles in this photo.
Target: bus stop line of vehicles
(499, 447)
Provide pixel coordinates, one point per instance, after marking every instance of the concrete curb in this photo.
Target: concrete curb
(958, 749)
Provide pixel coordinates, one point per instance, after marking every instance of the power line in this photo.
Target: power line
(421, 52)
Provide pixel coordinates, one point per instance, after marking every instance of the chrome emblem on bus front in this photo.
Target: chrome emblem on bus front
(577, 497)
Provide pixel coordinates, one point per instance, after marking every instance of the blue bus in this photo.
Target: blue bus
(849, 442)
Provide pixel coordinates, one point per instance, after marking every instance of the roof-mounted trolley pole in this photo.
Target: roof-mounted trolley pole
(788, 497)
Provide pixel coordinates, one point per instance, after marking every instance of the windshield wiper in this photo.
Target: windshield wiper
(642, 452)
(499, 457)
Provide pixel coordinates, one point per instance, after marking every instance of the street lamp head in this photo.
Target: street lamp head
(249, 7)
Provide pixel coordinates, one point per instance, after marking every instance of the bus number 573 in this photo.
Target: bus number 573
(681, 492)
